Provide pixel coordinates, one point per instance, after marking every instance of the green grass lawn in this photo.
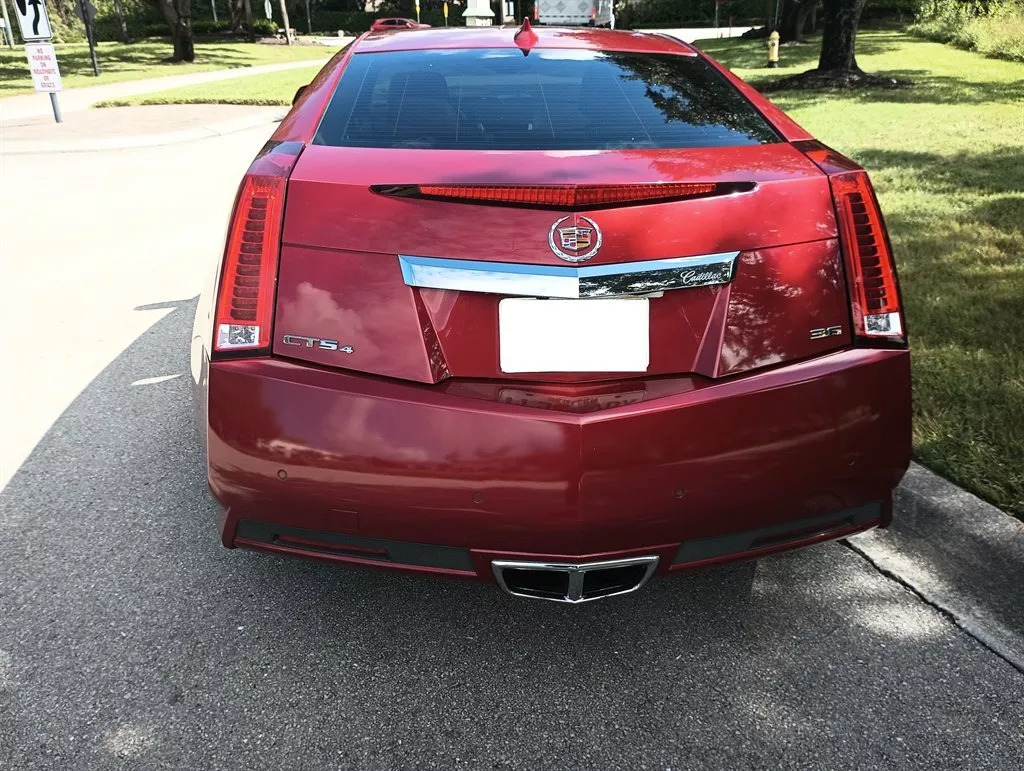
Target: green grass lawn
(947, 159)
(146, 59)
(269, 88)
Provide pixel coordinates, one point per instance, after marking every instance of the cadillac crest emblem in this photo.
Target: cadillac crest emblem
(574, 241)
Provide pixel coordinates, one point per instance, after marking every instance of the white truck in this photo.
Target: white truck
(576, 13)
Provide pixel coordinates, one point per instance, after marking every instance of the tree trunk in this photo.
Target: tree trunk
(793, 24)
(287, 24)
(178, 15)
(121, 24)
(181, 36)
(247, 6)
(788, 29)
(840, 35)
(234, 16)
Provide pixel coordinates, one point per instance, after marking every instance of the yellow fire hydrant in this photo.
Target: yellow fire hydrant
(773, 49)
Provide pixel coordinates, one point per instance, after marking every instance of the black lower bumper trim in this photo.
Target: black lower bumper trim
(702, 549)
(342, 544)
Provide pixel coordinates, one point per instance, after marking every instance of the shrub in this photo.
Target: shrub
(265, 27)
(995, 28)
(210, 27)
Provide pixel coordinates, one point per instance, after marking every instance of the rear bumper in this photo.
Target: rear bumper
(360, 469)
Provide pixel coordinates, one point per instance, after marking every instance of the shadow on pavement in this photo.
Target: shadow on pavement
(130, 639)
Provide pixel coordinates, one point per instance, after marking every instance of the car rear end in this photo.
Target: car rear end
(512, 316)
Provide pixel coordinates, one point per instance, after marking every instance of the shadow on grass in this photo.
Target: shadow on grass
(753, 55)
(926, 88)
(1001, 171)
(965, 278)
(957, 224)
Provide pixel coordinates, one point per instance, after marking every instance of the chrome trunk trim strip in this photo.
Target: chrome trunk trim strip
(619, 280)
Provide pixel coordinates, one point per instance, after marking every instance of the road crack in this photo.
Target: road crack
(965, 624)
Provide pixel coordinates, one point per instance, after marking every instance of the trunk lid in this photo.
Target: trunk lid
(343, 296)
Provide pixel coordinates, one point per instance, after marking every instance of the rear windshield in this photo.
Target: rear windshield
(498, 99)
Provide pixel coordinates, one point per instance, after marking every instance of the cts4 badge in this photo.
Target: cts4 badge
(574, 238)
(316, 342)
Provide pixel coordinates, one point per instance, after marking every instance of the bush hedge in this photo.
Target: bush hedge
(994, 28)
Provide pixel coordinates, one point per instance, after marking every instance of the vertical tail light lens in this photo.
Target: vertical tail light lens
(873, 292)
(245, 295)
(874, 289)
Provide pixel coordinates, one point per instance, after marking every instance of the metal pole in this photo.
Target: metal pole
(56, 108)
(92, 48)
(90, 38)
(8, 32)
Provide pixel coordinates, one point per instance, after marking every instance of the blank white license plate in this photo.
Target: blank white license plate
(574, 335)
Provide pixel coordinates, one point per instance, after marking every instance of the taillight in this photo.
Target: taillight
(245, 295)
(874, 289)
(874, 293)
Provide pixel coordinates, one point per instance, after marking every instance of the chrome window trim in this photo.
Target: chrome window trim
(576, 572)
(617, 280)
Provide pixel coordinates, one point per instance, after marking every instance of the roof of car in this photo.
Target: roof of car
(589, 38)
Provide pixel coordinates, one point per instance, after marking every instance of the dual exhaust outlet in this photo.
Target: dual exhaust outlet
(585, 582)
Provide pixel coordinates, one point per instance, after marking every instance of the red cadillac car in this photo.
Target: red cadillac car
(558, 309)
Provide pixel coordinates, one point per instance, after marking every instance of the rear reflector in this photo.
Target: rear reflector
(874, 289)
(565, 196)
(245, 295)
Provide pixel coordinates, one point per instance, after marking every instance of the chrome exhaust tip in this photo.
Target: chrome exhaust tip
(585, 582)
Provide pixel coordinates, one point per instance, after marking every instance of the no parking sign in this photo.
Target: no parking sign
(42, 61)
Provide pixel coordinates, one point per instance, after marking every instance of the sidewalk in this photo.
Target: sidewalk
(128, 127)
(18, 108)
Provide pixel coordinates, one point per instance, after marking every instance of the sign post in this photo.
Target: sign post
(42, 61)
(8, 32)
(86, 11)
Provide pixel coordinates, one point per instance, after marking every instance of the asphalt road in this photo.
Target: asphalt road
(130, 639)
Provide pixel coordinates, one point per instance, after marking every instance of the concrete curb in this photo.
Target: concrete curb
(959, 554)
(15, 147)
